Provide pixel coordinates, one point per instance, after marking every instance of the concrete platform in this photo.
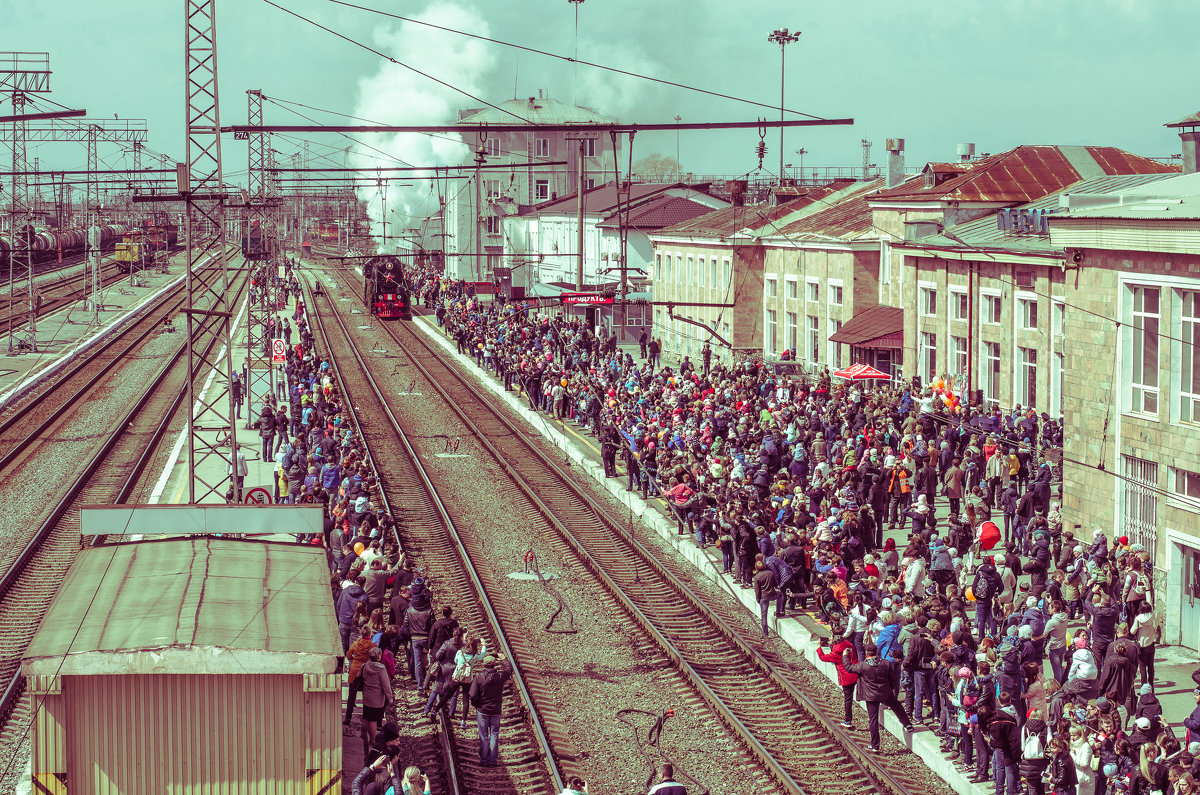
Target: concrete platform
(1173, 665)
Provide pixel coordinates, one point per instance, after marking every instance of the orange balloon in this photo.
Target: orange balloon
(359, 548)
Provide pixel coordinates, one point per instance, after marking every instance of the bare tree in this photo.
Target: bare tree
(658, 168)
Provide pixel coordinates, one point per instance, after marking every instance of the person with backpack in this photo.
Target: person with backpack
(466, 661)
(985, 587)
(1006, 751)
(1035, 736)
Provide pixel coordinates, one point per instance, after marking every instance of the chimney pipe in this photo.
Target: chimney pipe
(895, 172)
(540, 94)
(737, 191)
(1191, 150)
(966, 152)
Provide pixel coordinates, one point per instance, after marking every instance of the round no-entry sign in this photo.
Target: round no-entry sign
(278, 350)
(258, 496)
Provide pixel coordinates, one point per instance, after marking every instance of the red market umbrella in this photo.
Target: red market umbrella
(862, 372)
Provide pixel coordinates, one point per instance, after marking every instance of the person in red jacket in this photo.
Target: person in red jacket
(841, 655)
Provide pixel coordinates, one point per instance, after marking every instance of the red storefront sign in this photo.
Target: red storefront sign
(585, 298)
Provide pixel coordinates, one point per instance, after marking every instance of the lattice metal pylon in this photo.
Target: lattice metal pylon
(260, 386)
(92, 213)
(21, 74)
(209, 310)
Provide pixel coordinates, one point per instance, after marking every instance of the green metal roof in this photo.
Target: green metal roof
(195, 605)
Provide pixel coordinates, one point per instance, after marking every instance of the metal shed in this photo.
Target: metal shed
(191, 665)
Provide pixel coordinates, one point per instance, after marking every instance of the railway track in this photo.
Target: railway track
(14, 311)
(793, 733)
(35, 418)
(109, 477)
(530, 762)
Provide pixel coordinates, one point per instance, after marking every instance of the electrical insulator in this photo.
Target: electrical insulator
(760, 149)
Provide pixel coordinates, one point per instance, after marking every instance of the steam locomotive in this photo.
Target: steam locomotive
(49, 244)
(385, 287)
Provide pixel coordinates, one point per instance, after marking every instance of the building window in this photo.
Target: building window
(927, 301)
(1189, 350)
(493, 147)
(1185, 485)
(991, 372)
(789, 289)
(959, 363)
(1027, 377)
(591, 183)
(589, 147)
(812, 291)
(541, 189)
(667, 268)
(726, 272)
(701, 272)
(772, 288)
(492, 222)
(790, 331)
(1139, 502)
(492, 187)
(958, 305)
(1057, 386)
(769, 334)
(835, 295)
(541, 147)
(659, 273)
(928, 354)
(1028, 313)
(835, 348)
(712, 273)
(689, 278)
(814, 338)
(991, 309)
(1143, 337)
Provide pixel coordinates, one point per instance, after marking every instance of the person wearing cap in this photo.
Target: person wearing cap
(487, 696)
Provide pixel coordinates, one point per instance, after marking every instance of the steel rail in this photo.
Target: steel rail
(866, 764)
(536, 722)
(16, 684)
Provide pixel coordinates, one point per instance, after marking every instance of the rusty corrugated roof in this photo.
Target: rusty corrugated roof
(731, 220)
(870, 324)
(1190, 120)
(1023, 174)
(848, 219)
(660, 212)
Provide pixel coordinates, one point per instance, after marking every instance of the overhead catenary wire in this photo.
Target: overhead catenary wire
(568, 59)
(390, 59)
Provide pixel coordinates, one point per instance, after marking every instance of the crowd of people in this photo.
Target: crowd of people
(389, 625)
(1026, 645)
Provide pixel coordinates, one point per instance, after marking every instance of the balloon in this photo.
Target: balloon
(563, 382)
(970, 594)
(945, 400)
(612, 392)
(939, 383)
(612, 403)
(359, 548)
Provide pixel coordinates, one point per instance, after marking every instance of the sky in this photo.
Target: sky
(1108, 72)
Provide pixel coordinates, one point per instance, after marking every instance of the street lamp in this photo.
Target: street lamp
(801, 152)
(575, 63)
(783, 38)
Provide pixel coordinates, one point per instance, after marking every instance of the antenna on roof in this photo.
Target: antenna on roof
(516, 73)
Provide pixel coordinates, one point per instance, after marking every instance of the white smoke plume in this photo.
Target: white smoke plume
(395, 95)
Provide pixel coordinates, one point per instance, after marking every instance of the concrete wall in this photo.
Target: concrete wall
(827, 268)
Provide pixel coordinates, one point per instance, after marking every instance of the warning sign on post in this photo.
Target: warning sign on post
(278, 351)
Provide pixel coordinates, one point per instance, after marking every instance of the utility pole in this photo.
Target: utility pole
(579, 209)
(480, 159)
(575, 61)
(781, 37)
(678, 162)
(93, 220)
(866, 147)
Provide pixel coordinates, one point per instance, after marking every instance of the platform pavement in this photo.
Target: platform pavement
(70, 331)
(1173, 665)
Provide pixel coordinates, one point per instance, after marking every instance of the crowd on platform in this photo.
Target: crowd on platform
(384, 606)
(971, 625)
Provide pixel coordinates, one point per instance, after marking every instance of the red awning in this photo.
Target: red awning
(862, 372)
